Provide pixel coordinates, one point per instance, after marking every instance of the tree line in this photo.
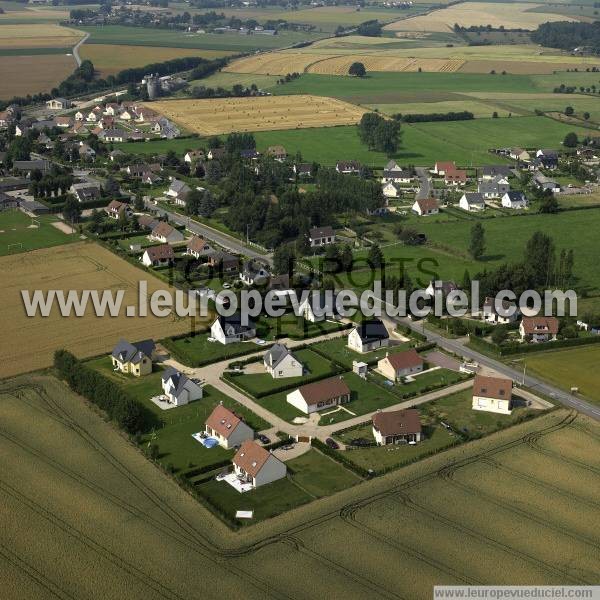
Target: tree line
(569, 35)
(463, 115)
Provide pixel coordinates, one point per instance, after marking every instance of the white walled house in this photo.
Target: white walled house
(426, 206)
(472, 201)
(165, 233)
(280, 363)
(369, 335)
(321, 236)
(514, 199)
(179, 388)
(490, 314)
(390, 190)
(320, 395)
(228, 330)
(492, 394)
(401, 364)
(158, 256)
(539, 329)
(257, 466)
(226, 427)
(397, 427)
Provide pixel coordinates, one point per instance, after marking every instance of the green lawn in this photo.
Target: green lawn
(312, 475)
(456, 410)
(465, 142)
(262, 383)
(519, 228)
(337, 349)
(568, 368)
(173, 434)
(15, 229)
(196, 350)
(145, 36)
(179, 146)
(427, 382)
(388, 457)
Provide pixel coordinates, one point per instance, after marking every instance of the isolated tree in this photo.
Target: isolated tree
(138, 203)
(569, 111)
(347, 258)
(477, 245)
(357, 69)
(375, 256)
(284, 258)
(571, 140)
(71, 210)
(549, 204)
(586, 116)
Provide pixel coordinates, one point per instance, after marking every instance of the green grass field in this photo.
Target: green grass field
(140, 36)
(465, 142)
(17, 235)
(568, 368)
(378, 458)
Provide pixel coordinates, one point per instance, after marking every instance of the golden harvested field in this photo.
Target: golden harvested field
(60, 461)
(38, 36)
(21, 75)
(110, 59)
(84, 266)
(281, 63)
(511, 15)
(211, 117)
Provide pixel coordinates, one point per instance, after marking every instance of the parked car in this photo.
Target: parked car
(332, 444)
(263, 438)
(361, 442)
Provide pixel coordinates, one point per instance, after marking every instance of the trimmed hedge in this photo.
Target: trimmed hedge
(129, 414)
(340, 458)
(513, 349)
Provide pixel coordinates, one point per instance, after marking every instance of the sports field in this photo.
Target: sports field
(110, 59)
(83, 266)
(67, 462)
(259, 114)
(21, 233)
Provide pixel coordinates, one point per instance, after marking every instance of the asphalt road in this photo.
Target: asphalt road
(425, 183)
(222, 239)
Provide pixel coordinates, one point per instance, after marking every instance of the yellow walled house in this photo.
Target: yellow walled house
(135, 359)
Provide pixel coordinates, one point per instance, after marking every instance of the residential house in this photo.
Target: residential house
(85, 191)
(348, 167)
(492, 394)
(198, 247)
(303, 170)
(368, 335)
(495, 171)
(390, 190)
(490, 313)
(94, 115)
(520, 155)
(547, 158)
(179, 388)
(254, 465)
(228, 330)
(150, 178)
(514, 199)
(400, 364)
(494, 187)
(321, 236)
(113, 135)
(216, 153)
(111, 109)
(278, 152)
(223, 262)
(179, 191)
(226, 427)
(133, 358)
(438, 286)
(319, 395)
(441, 168)
(158, 256)
(281, 363)
(116, 209)
(194, 156)
(147, 222)
(86, 152)
(254, 273)
(318, 305)
(79, 116)
(542, 182)
(63, 122)
(456, 177)
(165, 233)
(426, 206)
(538, 329)
(392, 172)
(397, 427)
(472, 201)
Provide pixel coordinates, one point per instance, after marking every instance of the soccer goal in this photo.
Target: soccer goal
(14, 247)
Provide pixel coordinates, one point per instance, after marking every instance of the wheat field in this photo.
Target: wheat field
(211, 117)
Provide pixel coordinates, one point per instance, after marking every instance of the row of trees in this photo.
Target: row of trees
(463, 115)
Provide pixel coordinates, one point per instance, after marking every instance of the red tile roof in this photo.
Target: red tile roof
(405, 360)
(251, 457)
(542, 325)
(397, 422)
(162, 252)
(492, 387)
(223, 421)
(327, 389)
